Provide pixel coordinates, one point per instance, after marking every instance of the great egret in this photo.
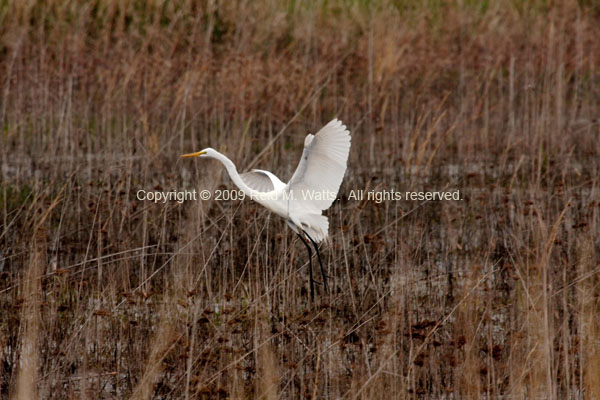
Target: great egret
(311, 190)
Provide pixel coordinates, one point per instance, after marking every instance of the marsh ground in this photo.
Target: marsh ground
(493, 296)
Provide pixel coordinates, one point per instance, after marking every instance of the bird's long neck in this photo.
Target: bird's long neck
(235, 176)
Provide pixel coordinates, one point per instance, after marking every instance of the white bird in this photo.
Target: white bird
(311, 190)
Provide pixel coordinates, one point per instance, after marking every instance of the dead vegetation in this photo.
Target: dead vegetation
(105, 296)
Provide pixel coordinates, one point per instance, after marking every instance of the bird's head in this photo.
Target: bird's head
(208, 152)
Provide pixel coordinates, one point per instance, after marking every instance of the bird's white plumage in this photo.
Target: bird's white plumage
(312, 188)
(321, 169)
(262, 181)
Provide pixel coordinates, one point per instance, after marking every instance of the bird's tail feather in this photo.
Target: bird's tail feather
(316, 226)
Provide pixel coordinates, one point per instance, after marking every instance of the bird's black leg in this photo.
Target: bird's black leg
(320, 263)
(310, 274)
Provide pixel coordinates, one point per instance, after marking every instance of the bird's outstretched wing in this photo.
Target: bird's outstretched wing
(261, 181)
(319, 174)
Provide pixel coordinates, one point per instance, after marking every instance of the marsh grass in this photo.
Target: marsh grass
(105, 296)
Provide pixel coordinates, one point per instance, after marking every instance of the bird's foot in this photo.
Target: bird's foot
(325, 286)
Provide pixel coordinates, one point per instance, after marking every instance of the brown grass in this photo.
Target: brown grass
(105, 296)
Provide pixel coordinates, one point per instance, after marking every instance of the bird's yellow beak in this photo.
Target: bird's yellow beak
(196, 154)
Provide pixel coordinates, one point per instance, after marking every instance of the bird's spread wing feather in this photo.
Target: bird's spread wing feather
(319, 174)
(258, 180)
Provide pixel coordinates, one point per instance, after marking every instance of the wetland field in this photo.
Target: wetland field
(491, 291)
